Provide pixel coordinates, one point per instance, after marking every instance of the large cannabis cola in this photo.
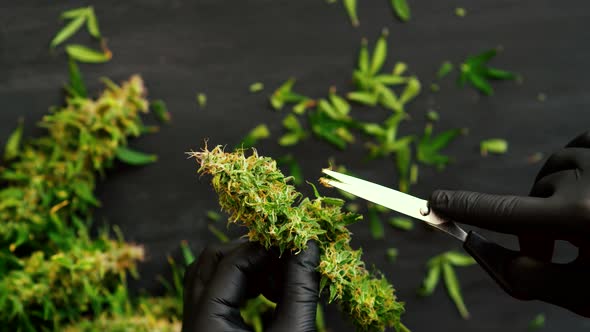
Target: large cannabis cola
(52, 273)
(259, 196)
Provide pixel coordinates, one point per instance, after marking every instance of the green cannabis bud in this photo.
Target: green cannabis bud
(256, 194)
(52, 272)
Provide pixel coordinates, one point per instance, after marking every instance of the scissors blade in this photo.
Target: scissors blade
(394, 200)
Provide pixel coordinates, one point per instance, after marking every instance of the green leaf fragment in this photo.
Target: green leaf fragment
(92, 24)
(201, 99)
(411, 91)
(364, 98)
(375, 224)
(432, 116)
(363, 59)
(493, 145)
(258, 133)
(475, 71)
(445, 68)
(76, 88)
(430, 281)
(399, 68)
(133, 157)
(537, 323)
(428, 147)
(351, 10)
(402, 10)
(295, 171)
(256, 87)
(218, 234)
(320, 323)
(187, 253)
(454, 289)
(405, 224)
(12, 146)
(160, 110)
(403, 158)
(379, 53)
(73, 13)
(460, 12)
(82, 53)
(414, 174)
(340, 104)
(67, 31)
(213, 215)
(392, 254)
(458, 259)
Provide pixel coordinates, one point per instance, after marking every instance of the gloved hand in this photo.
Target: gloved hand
(558, 208)
(224, 277)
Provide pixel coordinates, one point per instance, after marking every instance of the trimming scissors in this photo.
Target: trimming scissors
(492, 257)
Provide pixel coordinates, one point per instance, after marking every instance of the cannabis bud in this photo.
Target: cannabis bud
(256, 194)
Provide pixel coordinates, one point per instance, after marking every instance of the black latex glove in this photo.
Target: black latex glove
(224, 277)
(558, 208)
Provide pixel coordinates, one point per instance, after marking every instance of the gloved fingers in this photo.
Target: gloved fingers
(565, 159)
(229, 285)
(506, 214)
(581, 141)
(199, 273)
(537, 246)
(296, 308)
(547, 186)
(565, 285)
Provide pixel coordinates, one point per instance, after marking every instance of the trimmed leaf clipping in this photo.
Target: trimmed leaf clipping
(402, 10)
(351, 7)
(259, 132)
(82, 53)
(76, 88)
(133, 157)
(12, 147)
(493, 145)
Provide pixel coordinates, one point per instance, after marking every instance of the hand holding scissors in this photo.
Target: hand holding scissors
(558, 208)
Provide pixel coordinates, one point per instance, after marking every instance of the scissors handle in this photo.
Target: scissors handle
(495, 260)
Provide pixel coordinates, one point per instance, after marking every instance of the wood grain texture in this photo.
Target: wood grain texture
(220, 47)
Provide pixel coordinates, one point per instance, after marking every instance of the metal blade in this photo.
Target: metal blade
(394, 200)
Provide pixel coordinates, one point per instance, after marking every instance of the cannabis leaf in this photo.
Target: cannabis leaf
(295, 132)
(444, 264)
(284, 94)
(476, 72)
(78, 17)
(428, 146)
(375, 87)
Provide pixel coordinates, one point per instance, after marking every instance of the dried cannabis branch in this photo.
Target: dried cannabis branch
(257, 194)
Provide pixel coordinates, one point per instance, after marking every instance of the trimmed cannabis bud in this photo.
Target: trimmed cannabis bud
(258, 195)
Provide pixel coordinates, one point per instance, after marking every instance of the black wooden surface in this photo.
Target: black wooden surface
(219, 47)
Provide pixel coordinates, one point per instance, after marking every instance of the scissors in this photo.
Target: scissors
(492, 257)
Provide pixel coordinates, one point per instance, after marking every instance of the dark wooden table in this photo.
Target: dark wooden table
(220, 47)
